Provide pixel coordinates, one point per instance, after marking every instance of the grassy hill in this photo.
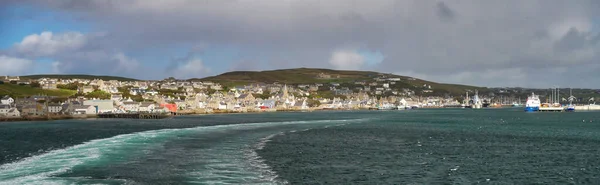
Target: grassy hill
(24, 90)
(78, 76)
(290, 76)
(310, 76)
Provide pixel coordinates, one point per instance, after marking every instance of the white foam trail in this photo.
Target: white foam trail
(40, 168)
(257, 162)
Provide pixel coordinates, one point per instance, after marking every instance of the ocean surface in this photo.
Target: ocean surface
(440, 146)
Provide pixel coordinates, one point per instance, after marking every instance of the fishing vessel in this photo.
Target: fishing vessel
(570, 107)
(533, 103)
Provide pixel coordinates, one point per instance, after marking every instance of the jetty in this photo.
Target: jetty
(587, 107)
(551, 109)
(134, 115)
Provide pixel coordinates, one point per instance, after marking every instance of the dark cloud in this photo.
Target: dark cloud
(472, 42)
(444, 12)
(573, 40)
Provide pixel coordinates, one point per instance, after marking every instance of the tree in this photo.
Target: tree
(70, 86)
(211, 91)
(35, 85)
(262, 96)
(58, 100)
(98, 94)
(313, 103)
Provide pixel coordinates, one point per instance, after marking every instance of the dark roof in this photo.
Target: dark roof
(81, 107)
(244, 96)
(146, 104)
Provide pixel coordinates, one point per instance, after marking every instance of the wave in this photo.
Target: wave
(46, 167)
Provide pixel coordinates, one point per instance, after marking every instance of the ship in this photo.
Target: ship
(533, 103)
(570, 107)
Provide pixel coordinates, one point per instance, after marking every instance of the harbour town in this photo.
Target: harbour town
(98, 98)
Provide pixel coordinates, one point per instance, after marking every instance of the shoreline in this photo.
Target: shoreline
(197, 112)
(47, 118)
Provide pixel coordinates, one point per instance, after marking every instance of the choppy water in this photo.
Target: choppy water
(502, 146)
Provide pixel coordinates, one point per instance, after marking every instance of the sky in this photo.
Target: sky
(509, 43)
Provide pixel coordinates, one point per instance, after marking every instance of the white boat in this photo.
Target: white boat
(386, 106)
(570, 107)
(533, 103)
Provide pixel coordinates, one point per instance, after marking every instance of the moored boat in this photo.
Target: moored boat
(570, 107)
(386, 106)
(533, 103)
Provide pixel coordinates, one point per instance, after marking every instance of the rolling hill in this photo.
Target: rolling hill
(313, 75)
(78, 76)
(25, 90)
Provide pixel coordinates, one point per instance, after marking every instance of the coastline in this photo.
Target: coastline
(47, 118)
(175, 114)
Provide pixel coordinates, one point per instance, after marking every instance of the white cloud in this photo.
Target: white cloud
(125, 63)
(48, 43)
(14, 66)
(559, 29)
(349, 60)
(192, 68)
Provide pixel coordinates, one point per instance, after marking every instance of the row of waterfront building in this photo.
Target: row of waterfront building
(196, 96)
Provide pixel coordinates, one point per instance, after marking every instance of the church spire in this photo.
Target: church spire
(285, 91)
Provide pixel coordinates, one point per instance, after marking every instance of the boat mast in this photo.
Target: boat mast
(548, 100)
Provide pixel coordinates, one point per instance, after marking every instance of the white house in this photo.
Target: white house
(301, 104)
(4, 108)
(131, 106)
(147, 107)
(8, 111)
(13, 113)
(201, 104)
(54, 108)
(84, 109)
(7, 100)
(222, 106)
(152, 92)
(103, 105)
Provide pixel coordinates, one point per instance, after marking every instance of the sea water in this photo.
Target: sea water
(458, 146)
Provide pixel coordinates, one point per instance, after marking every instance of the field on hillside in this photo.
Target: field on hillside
(88, 77)
(24, 90)
(311, 76)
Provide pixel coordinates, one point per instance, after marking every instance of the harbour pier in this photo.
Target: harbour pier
(551, 109)
(133, 115)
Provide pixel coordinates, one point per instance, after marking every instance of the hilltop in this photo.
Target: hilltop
(15, 90)
(314, 75)
(78, 76)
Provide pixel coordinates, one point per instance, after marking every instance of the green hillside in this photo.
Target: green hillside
(310, 76)
(78, 76)
(24, 90)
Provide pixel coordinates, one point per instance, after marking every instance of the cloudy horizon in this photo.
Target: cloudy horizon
(536, 43)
